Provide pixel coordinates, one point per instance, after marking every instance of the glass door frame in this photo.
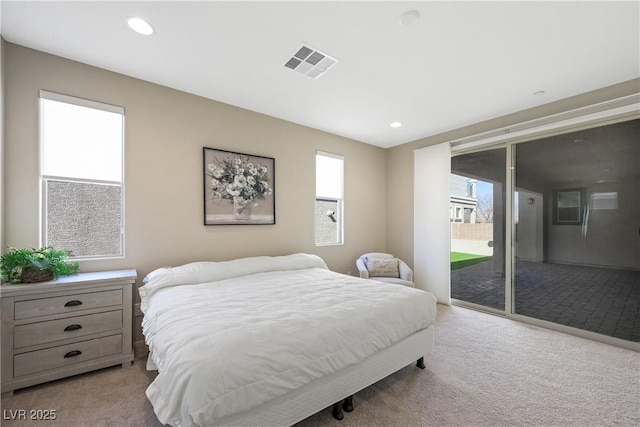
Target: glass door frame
(609, 112)
(507, 250)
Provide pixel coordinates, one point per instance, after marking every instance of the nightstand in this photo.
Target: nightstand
(64, 327)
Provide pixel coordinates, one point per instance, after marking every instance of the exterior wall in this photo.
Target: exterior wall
(458, 185)
(400, 160)
(607, 157)
(611, 237)
(480, 231)
(326, 230)
(472, 238)
(529, 229)
(463, 199)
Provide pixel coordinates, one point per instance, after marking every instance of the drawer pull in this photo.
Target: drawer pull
(73, 353)
(73, 303)
(72, 328)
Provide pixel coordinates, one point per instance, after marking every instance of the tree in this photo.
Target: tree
(484, 208)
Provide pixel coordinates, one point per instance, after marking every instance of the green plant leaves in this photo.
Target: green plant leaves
(13, 262)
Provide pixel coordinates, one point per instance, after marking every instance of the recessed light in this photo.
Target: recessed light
(140, 26)
(409, 18)
(538, 93)
(395, 124)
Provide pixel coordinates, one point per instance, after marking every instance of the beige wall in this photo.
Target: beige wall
(2, 180)
(400, 160)
(165, 132)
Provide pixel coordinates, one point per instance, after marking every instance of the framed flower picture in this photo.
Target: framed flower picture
(238, 188)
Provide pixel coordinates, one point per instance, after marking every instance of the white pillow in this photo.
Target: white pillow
(380, 267)
(210, 271)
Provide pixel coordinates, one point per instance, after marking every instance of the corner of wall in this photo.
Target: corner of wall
(2, 179)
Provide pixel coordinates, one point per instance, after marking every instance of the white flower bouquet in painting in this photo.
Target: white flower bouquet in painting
(238, 179)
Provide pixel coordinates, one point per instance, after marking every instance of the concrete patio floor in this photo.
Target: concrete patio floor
(601, 300)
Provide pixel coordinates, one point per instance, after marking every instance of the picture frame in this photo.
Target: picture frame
(238, 188)
(568, 206)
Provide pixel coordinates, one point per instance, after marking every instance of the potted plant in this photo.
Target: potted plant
(35, 265)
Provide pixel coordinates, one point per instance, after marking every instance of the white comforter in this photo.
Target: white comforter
(226, 346)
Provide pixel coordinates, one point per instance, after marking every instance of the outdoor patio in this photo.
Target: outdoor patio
(601, 300)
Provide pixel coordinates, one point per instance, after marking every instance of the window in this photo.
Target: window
(604, 200)
(329, 199)
(81, 176)
(568, 206)
(458, 217)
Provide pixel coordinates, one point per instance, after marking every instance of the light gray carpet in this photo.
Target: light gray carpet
(485, 371)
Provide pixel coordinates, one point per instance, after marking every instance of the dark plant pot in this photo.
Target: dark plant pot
(33, 275)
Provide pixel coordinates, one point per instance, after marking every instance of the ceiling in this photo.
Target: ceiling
(605, 156)
(459, 64)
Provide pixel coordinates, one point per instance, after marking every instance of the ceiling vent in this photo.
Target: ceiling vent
(310, 62)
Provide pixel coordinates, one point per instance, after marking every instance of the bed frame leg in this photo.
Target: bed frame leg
(348, 404)
(420, 363)
(337, 411)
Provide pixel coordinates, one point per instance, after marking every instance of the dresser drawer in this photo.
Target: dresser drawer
(70, 327)
(66, 304)
(56, 357)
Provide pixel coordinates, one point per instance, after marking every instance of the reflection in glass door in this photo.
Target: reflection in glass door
(477, 213)
(577, 213)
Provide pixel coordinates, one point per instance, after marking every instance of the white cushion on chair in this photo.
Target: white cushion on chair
(404, 271)
(379, 267)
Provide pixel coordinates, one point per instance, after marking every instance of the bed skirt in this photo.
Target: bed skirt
(324, 392)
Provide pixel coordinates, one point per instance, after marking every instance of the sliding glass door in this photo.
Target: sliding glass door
(577, 219)
(545, 222)
(477, 214)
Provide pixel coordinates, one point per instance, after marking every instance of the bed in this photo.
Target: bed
(273, 340)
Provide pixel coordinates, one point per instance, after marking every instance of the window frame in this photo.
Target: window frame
(339, 201)
(43, 178)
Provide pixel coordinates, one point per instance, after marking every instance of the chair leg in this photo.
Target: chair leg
(420, 363)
